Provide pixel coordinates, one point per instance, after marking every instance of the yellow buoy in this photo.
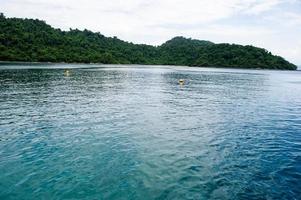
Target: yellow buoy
(181, 81)
(67, 72)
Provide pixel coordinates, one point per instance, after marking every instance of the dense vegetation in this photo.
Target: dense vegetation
(34, 40)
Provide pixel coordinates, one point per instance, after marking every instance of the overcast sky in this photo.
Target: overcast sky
(271, 24)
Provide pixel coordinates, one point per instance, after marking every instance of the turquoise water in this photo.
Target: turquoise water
(131, 132)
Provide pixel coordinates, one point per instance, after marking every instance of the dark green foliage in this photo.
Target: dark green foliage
(34, 40)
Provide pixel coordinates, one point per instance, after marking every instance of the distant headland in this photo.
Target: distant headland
(32, 40)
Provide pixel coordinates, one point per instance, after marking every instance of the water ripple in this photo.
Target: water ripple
(134, 133)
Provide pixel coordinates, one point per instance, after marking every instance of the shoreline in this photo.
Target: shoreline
(148, 65)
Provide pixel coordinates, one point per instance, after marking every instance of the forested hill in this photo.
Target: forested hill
(34, 40)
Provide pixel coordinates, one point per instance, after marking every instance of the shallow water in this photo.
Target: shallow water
(131, 132)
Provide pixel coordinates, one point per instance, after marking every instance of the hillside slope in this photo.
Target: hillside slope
(34, 40)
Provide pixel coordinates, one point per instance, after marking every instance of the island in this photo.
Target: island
(33, 40)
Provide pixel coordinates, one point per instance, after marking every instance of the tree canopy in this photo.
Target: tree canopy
(33, 40)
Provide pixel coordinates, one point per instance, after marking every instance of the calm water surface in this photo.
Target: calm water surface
(131, 132)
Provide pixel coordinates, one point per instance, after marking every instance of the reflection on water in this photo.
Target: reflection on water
(134, 133)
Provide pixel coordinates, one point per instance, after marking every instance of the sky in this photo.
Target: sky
(271, 24)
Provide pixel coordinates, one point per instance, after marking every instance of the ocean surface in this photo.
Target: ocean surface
(132, 132)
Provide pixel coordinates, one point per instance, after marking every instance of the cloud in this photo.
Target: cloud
(256, 22)
(258, 8)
